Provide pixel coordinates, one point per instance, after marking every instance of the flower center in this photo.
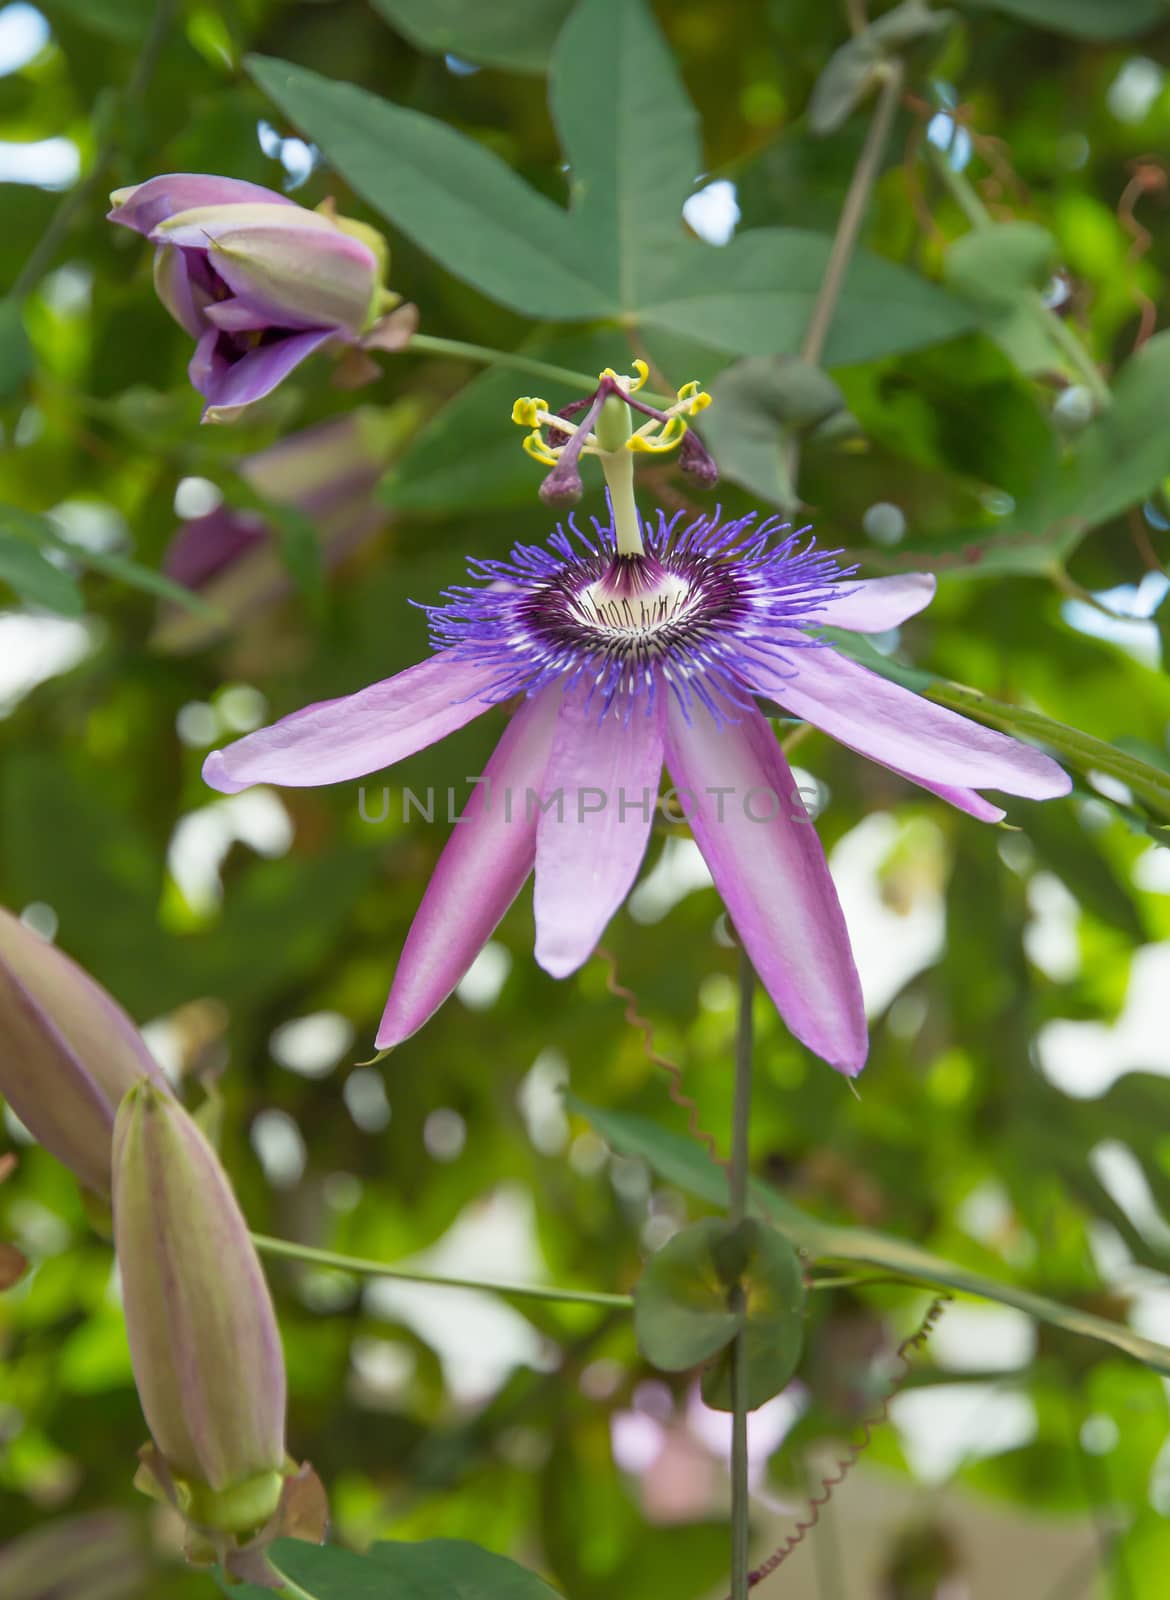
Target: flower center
(630, 604)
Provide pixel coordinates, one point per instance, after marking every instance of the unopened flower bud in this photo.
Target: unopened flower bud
(95, 1557)
(68, 1052)
(203, 1335)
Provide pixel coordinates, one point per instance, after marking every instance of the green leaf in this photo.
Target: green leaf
(517, 35)
(454, 1569)
(36, 580)
(1083, 19)
(754, 296)
(1124, 454)
(682, 1162)
(300, 550)
(681, 1311)
(16, 357)
(773, 1322)
(35, 529)
(125, 21)
(452, 196)
(621, 252)
(757, 404)
(1002, 261)
(633, 159)
(851, 70)
(435, 1569)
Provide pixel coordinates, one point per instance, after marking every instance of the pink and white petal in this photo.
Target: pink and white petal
(772, 875)
(903, 731)
(872, 605)
(229, 385)
(601, 787)
(144, 205)
(237, 316)
(481, 871)
(359, 733)
(298, 278)
(968, 800)
(205, 225)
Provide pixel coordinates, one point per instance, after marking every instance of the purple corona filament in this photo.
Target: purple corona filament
(698, 614)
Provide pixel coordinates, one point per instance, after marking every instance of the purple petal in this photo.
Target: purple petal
(480, 872)
(206, 545)
(903, 731)
(601, 788)
(230, 385)
(237, 316)
(185, 298)
(772, 876)
(298, 277)
(147, 204)
(205, 226)
(968, 800)
(47, 1085)
(875, 604)
(339, 739)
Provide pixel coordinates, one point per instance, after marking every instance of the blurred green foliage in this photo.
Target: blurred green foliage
(1014, 1119)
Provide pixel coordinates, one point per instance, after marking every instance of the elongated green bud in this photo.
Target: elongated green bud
(203, 1334)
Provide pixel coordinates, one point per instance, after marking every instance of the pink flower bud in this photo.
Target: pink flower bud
(203, 1335)
(259, 281)
(68, 1052)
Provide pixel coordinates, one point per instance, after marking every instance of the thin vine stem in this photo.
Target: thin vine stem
(738, 1176)
(288, 1250)
(429, 344)
(848, 230)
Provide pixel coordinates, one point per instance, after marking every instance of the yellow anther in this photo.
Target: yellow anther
(526, 411)
(627, 384)
(692, 399)
(539, 451)
(658, 444)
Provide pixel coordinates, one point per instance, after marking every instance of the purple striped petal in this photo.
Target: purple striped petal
(185, 298)
(145, 205)
(230, 384)
(360, 733)
(903, 731)
(237, 316)
(968, 800)
(772, 875)
(298, 278)
(480, 872)
(600, 791)
(875, 604)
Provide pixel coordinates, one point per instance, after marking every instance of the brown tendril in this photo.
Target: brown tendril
(845, 1463)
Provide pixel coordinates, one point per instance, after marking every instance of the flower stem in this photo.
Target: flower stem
(966, 197)
(291, 1251)
(845, 239)
(456, 348)
(741, 1122)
